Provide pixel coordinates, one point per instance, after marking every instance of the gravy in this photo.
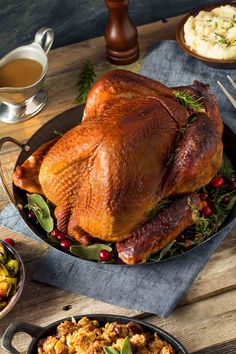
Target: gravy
(20, 73)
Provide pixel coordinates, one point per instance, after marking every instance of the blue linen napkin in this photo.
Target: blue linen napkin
(155, 288)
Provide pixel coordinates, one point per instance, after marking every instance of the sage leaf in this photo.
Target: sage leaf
(126, 347)
(110, 350)
(231, 203)
(89, 252)
(37, 204)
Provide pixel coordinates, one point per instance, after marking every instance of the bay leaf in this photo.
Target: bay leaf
(89, 252)
(232, 202)
(110, 350)
(126, 347)
(37, 204)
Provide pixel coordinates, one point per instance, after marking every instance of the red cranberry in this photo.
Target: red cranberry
(217, 182)
(65, 244)
(187, 244)
(231, 186)
(203, 196)
(226, 199)
(181, 237)
(207, 211)
(209, 203)
(104, 255)
(31, 215)
(10, 241)
(61, 236)
(231, 178)
(55, 233)
(3, 293)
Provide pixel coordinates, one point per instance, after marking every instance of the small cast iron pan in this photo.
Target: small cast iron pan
(62, 123)
(38, 333)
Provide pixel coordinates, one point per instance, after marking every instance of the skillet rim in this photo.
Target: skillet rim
(171, 339)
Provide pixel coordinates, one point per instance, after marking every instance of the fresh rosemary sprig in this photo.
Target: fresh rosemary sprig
(86, 79)
(188, 100)
(182, 131)
(153, 211)
(190, 121)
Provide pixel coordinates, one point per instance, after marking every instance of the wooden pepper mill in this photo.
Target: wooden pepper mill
(121, 34)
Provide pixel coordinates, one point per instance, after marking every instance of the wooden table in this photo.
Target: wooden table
(205, 321)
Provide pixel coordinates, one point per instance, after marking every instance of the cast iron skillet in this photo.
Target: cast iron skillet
(62, 123)
(38, 333)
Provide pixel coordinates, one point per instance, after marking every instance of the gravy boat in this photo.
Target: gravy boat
(20, 103)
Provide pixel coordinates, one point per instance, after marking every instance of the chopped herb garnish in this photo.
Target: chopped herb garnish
(221, 39)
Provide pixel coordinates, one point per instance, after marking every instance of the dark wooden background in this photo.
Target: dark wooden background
(75, 20)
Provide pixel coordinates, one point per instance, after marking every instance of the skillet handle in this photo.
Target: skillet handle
(2, 177)
(17, 327)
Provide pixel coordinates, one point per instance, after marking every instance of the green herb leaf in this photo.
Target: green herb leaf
(221, 39)
(190, 121)
(110, 350)
(89, 252)
(226, 168)
(189, 101)
(57, 132)
(231, 203)
(153, 211)
(160, 255)
(53, 240)
(37, 204)
(126, 347)
(86, 79)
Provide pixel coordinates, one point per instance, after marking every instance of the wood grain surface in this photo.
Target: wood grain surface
(205, 320)
(75, 20)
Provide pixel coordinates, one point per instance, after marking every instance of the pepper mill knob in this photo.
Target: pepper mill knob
(121, 34)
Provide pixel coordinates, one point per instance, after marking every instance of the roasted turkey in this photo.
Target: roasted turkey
(135, 146)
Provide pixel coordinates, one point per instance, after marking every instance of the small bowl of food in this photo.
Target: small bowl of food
(106, 334)
(209, 35)
(12, 277)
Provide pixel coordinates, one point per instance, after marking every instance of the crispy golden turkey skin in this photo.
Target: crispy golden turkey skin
(106, 173)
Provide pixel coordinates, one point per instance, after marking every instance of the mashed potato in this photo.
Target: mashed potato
(212, 34)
